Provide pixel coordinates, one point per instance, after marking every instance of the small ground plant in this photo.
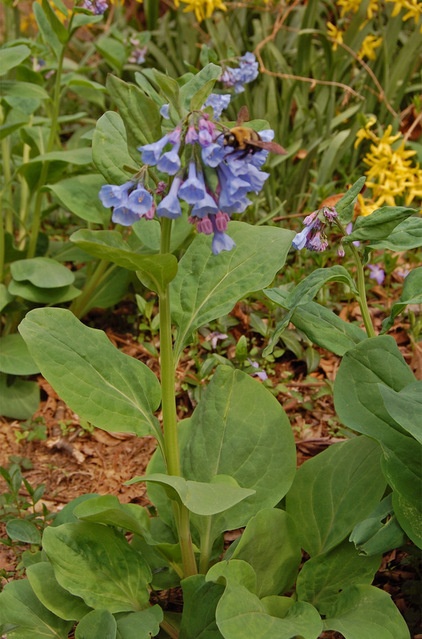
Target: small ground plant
(175, 172)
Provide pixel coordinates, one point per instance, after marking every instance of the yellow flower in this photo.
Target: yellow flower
(334, 33)
(413, 9)
(365, 133)
(370, 43)
(202, 8)
(353, 6)
(392, 178)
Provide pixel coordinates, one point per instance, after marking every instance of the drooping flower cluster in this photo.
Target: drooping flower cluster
(392, 177)
(237, 77)
(212, 178)
(313, 236)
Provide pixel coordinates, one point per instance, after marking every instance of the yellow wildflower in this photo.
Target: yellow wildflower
(392, 178)
(202, 8)
(336, 35)
(370, 43)
(413, 9)
(365, 133)
(353, 6)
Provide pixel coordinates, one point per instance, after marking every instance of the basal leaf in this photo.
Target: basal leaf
(410, 518)
(405, 407)
(97, 623)
(269, 544)
(411, 294)
(43, 272)
(333, 491)
(107, 388)
(55, 598)
(21, 610)
(19, 399)
(14, 356)
(239, 610)
(200, 600)
(140, 625)
(365, 612)
(79, 195)
(115, 577)
(324, 576)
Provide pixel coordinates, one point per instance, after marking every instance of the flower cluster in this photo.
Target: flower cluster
(313, 236)
(237, 77)
(212, 178)
(392, 177)
(97, 7)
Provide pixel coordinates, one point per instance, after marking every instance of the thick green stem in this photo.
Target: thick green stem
(363, 302)
(170, 435)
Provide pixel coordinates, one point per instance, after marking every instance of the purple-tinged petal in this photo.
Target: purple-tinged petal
(376, 273)
(193, 189)
(113, 195)
(170, 205)
(140, 201)
(169, 162)
(221, 242)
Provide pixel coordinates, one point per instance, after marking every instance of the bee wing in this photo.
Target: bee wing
(243, 115)
(269, 146)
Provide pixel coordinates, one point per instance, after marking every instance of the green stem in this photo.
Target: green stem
(170, 435)
(204, 559)
(363, 302)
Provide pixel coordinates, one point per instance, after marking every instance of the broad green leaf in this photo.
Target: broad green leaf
(269, 544)
(25, 616)
(194, 93)
(14, 356)
(324, 576)
(97, 624)
(104, 386)
(345, 206)
(55, 598)
(18, 399)
(402, 467)
(235, 571)
(207, 286)
(140, 625)
(240, 611)
(42, 295)
(107, 509)
(323, 327)
(11, 57)
(365, 612)
(57, 26)
(334, 491)
(109, 149)
(168, 87)
(140, 114)
(43, 272)
(410, 518)
(79, 195)
(79, 157)
(411, 294)
(357, 397)
(239, 429)
(113, 51)
(405, 407)
(200, 599)
(23, 530)
(406, 236)
(379, 224)
(158, 270)
(199, 497)
(115, 576)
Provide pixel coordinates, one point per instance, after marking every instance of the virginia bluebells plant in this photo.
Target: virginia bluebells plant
(212, 179)
(97, 7)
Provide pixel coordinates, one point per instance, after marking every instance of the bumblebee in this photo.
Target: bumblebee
(243, 138)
